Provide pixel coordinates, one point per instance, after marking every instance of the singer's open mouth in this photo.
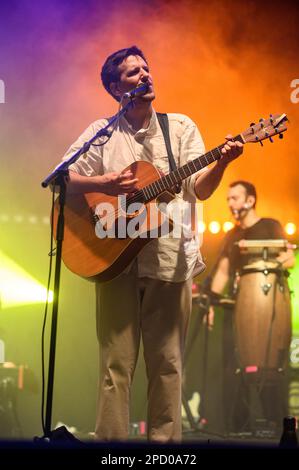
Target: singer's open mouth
(149, 84)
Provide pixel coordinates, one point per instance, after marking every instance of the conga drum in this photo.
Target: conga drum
(262, 320)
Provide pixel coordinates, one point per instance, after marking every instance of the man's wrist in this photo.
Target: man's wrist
(222, 163)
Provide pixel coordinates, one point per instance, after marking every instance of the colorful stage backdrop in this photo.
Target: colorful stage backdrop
(225, 64)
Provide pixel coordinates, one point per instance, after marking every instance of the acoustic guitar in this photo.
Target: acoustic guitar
(104, 233)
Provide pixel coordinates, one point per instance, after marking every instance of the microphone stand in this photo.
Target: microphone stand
(58, 178)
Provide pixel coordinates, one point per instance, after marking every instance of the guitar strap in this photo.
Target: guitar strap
(164, 124)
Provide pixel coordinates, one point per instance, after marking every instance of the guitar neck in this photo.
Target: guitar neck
(174, 178)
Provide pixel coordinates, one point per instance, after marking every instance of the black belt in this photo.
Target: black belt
(265, 271)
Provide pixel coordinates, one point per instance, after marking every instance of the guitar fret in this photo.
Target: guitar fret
(177, 176)
(168, 181)
(151, 191)
(188, 169)
(200, 165)
(183, 171)
(219, 151)
(143, 194)
(160, 185)
(170, 176)
(213, 156)
(157, 187)
(148, 192)
(193, 163)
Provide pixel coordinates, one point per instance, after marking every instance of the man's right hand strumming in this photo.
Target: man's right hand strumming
(110, 183)
(118, 183)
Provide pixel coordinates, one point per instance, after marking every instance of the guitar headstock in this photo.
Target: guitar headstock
(266, 128)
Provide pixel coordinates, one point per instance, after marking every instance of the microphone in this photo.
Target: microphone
(245, 207)
(236, 212)
(138, 91)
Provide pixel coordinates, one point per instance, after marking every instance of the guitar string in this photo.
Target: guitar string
(136, 196)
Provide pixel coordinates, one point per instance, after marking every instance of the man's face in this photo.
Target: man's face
(133, 72)
(236, 198)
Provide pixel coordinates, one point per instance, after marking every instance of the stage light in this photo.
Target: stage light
(18, 287)
(25, 218)
(214, 227)
(227, 226)
(18, 218)
(32, 219)
(290, 228)
(4, 218)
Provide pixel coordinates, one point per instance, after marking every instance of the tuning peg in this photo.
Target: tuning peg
(271, 118)
(280, 136)
(262, 122)
(261, 143)
(271, 140)
(251, 125)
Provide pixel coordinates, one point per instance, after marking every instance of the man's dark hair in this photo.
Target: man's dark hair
(249, 188)
(110, 72)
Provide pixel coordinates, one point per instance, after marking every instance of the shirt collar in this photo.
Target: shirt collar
(141, 133)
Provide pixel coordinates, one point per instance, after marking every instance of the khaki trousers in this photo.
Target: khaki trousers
(129, 308)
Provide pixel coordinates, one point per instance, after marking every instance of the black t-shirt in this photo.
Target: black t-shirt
(262, 230)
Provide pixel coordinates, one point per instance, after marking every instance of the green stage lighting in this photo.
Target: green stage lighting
(17, 287)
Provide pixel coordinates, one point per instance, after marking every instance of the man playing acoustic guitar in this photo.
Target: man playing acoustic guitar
(151, 298)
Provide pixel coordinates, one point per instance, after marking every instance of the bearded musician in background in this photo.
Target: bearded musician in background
(242, 199)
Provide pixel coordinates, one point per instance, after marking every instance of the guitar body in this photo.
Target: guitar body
(102, 259)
